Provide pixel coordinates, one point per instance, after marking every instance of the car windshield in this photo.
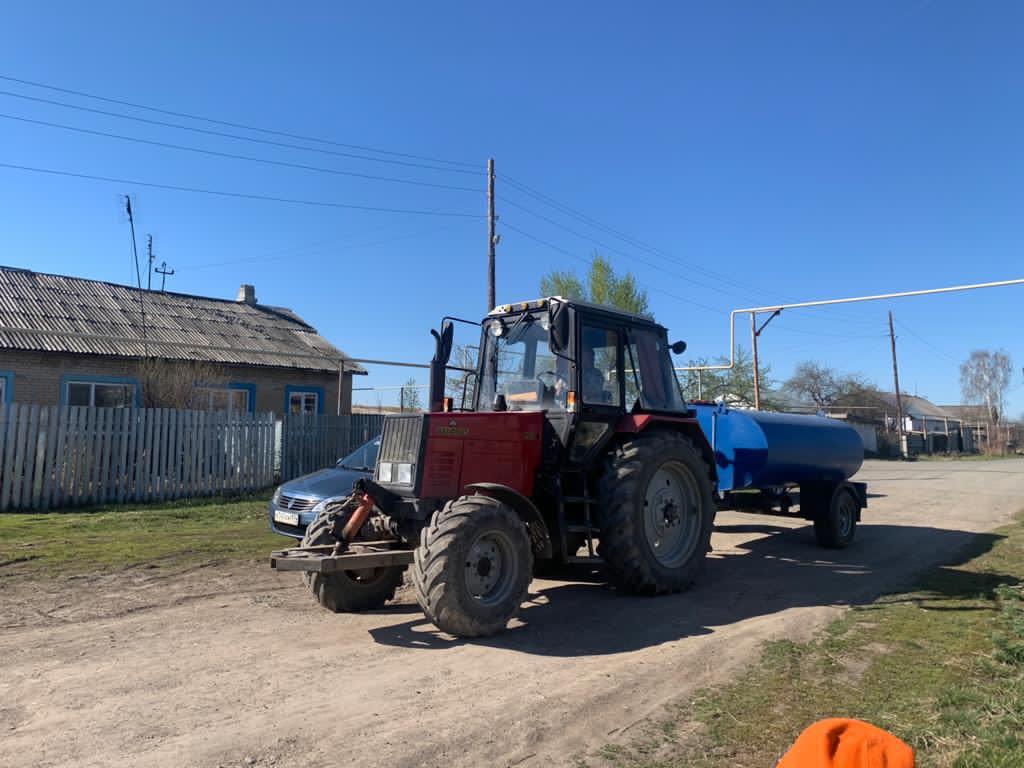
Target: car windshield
(519, 365)
(362, 458)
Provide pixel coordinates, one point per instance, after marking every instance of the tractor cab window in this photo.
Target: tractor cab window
(519, 366)
(649, 374)
(598, 363)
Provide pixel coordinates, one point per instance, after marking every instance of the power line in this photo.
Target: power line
(291, 253)
(228, 124)
(233, 156)
(570, 254)
(241, 195)
(234, 136)
(925, 341)
(747, 290)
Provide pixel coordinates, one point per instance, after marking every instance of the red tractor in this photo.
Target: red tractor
(570, 436)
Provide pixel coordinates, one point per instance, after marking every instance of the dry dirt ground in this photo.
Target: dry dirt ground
(235, 665)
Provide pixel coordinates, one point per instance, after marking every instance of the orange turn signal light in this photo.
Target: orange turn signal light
(570, 400)
(446, 404)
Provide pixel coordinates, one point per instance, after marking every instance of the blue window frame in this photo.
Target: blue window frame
(6, 386)
(100, 391)
(301, 399)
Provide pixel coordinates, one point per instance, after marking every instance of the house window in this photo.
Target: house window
(229, 398)
(99, 394)
(303, 402)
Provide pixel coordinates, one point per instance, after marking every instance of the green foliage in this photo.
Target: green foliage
(603, 286)
(112, 538)
(735, 386)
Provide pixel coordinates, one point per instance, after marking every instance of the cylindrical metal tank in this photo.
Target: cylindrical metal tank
(756, 449)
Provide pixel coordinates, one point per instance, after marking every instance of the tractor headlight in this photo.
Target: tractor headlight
(384, 471)
(404, 474)
(394, 472)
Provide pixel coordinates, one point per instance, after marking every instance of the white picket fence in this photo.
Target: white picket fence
(52, 457)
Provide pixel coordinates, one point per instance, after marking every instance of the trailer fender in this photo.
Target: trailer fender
(540, 536)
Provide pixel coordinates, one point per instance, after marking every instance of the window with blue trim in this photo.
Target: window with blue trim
(99, 393)
(304, 401)
(233, 398)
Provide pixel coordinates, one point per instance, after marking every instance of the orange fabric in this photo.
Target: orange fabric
(843, 743)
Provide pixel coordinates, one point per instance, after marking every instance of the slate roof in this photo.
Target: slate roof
(54, 313)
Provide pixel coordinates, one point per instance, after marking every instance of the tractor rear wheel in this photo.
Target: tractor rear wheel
(473, 566)
(348, 591)
(657, 512)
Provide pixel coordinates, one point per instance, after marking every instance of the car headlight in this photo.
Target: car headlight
(324, 503)
(277, 496)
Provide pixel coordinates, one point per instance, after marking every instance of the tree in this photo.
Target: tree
(177, 383)
(984, 379)
(410, 397)
(603, 286)
(734, 386)
(826, 387)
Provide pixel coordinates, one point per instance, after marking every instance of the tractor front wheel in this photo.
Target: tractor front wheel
(473, 566)
(348, 591)
(657, 512)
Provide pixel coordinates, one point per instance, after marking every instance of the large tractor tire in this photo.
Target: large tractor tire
(835, 518)
(348, 591)
(473, 566)
(657, 513)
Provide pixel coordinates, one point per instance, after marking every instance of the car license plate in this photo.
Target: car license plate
(288, 518)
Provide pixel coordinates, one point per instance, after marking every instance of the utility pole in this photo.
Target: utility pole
(896, 384)
(152, 258)
(755, 332)
(164, 272)
(491, 237)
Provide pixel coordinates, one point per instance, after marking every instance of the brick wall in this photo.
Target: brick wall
(37, 378)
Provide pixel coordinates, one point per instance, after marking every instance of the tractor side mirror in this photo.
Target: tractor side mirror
(678, 347)
(558, 318)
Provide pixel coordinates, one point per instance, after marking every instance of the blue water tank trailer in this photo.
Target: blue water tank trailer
(775, 462)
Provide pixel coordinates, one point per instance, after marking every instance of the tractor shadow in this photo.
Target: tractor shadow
(780, 569)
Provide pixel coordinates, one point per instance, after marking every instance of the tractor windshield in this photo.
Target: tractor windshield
(518, 365)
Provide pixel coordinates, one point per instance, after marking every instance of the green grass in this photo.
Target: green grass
(941, 667)
(113, 538)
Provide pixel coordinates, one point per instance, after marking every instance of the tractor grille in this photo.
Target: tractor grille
(402, 438)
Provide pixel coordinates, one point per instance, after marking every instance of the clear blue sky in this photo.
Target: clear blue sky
(794, 150)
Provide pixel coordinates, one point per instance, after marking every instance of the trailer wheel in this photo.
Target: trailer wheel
(835, 525)
(348, 591)
(657, 513)
(473, 566)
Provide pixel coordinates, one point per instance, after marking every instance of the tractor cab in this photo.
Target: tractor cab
(585, 366)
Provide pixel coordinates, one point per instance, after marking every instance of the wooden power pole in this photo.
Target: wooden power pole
(896, 384)
(491, 238)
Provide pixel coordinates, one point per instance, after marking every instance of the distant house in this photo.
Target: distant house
(72, 341)
(929, 428)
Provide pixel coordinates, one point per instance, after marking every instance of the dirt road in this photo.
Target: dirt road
(237, 666)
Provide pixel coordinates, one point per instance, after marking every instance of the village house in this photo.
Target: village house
(78, 342)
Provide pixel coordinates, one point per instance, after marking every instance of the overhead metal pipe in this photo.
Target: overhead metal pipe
(826, 302)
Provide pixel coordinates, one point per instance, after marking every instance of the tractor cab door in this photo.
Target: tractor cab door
(600, 396)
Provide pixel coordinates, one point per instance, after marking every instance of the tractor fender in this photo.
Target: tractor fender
(540, 536)
(636, 423)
